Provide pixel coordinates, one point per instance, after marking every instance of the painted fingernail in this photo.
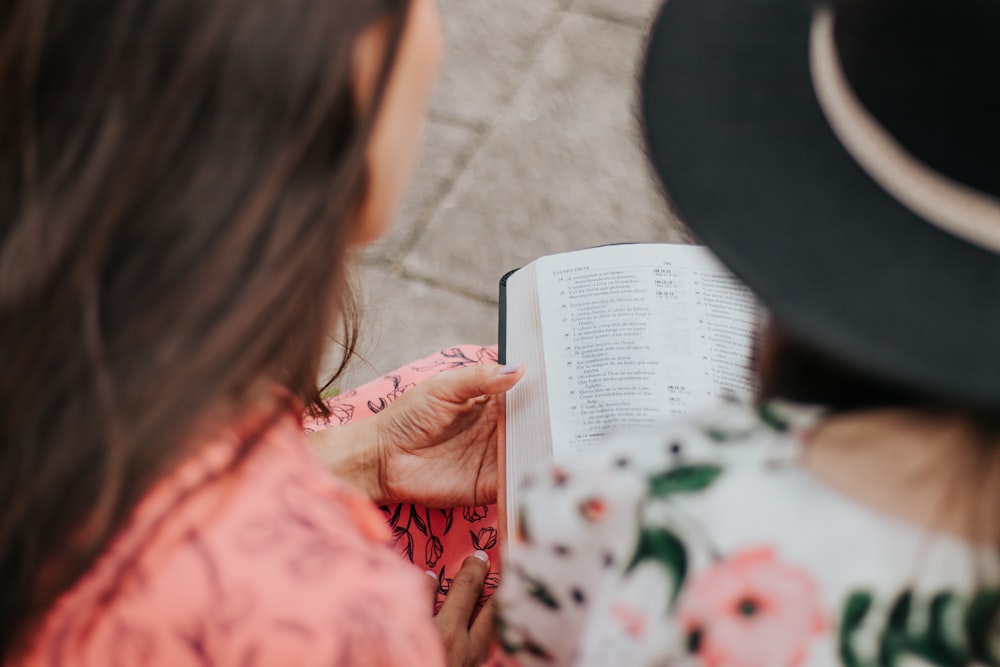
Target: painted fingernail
(482, 555)
(509, 369)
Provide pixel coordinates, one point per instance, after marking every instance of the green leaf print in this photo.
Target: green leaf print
(770, 416)
(980, 621)
(663, 547)
(945, 630)
(527, 644)
(942, 643)
(723, 435)
(538, 590)
(683, 479)
(508, 646)
(894, 642)
(857, 608)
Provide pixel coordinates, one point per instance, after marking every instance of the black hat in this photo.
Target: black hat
(843, 160)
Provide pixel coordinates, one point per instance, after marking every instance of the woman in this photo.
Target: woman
(842, 159)
(180, 183)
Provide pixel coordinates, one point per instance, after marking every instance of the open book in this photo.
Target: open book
(615, 336)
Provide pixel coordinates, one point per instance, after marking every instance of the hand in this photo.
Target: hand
(466, 641)
(436, 444)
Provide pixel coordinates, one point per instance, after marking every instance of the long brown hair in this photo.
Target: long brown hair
(178, 182)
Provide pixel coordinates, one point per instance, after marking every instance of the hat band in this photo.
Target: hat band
(951, 206)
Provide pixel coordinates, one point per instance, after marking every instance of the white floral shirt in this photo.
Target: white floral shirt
(705, 542)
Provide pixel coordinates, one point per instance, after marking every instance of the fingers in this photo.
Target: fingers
(473, 381)
(482, 631)
(464, 592)
(432, 587)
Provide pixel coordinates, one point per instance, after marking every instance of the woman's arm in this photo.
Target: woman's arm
(351, 452)
(435, 445)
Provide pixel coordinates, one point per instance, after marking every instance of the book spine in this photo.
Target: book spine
(502, 320)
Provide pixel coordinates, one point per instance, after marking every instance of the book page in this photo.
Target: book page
(527, 447)
(634, 334)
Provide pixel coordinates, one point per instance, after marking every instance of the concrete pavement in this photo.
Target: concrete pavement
(532, 148)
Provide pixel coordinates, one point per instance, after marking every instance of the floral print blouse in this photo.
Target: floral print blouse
(706, 543)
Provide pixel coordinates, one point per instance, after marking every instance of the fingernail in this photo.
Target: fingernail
(432, 574)
(509, 369)
(482, 555)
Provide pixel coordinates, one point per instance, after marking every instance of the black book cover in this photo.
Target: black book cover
(502, 333)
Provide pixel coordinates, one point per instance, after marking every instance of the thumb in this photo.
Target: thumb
(432, 584)
(462, 384)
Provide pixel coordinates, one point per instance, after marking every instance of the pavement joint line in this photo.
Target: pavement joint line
(427, 212)
(410, 276)
(457, 120)
(375, 262)
(641, 24)
(434, 202)
(413, 267)
(398, 271)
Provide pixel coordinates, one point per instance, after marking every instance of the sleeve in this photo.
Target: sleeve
(274, 584)
(366, 618)
(331, 592)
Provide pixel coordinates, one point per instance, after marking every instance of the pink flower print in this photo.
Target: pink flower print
(559, 476)
(632, 620)
(593, 509)
(751, 611)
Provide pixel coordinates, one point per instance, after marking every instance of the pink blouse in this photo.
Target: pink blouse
(253, 560)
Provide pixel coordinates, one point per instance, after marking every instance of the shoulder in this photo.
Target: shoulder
(273, 562)
(609, 540)
(706, 538)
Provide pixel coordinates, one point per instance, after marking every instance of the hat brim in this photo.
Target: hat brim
(749, 162)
